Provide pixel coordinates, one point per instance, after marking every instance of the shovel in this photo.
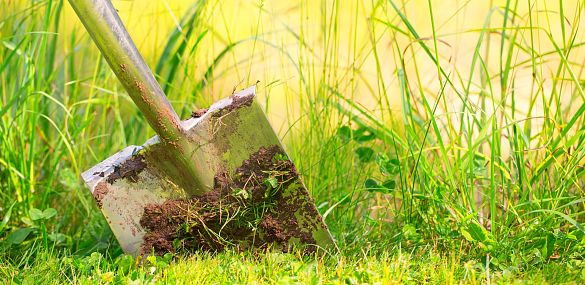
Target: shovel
(218, 180)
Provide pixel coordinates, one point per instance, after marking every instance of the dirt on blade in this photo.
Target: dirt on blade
(244, 210)
(237, 102)
(100, 191)
(129, 169)
(198, 113)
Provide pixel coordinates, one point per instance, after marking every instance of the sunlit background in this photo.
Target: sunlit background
(274, 39)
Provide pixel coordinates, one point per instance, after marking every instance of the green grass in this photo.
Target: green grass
(428, 167)
(390, 267)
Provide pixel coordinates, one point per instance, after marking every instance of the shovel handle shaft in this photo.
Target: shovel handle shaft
(109, 34)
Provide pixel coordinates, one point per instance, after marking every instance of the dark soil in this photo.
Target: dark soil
(237, 102)
(100, 191)
(129, 169)
(244, 210)
(198, 113)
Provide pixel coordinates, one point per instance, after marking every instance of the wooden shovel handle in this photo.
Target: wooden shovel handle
(109, 34)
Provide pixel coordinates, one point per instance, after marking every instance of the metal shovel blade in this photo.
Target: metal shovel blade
(256, 198)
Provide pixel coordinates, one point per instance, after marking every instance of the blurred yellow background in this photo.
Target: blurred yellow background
(333, 42)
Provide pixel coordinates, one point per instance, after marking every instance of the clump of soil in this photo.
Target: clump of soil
(198, 113)
(129, 169)
(237, 102)
(244, 210)
(100, 191)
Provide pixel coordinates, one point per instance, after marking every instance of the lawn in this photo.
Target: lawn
(442, 141)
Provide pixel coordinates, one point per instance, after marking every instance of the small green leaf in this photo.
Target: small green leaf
(478, 232)
(363, 134)
(389, 184)
(466, 235)
(371, 185)
(35, 214)
(238, 192)
(410, 233)
(58, 238)
(168, 257)
(344, 133)
(18, 236)
(49, 213)
(388, 166)
(365, 154)
(549, 245)
(125, 263)
(271, 182)
(94, 259)
(151, 259)
(393, 166)
(280, 157)
(381, 158)
(474, 232)
(177, 243)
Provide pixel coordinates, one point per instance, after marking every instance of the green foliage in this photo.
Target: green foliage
(36, 214)
(271, 182)
(18, 235)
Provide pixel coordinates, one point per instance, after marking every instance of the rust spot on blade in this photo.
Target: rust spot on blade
(140, 86)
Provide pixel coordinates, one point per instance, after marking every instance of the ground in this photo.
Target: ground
(358, 267)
